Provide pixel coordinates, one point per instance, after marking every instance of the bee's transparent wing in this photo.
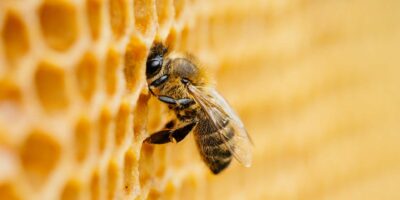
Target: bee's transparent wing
(218, 110)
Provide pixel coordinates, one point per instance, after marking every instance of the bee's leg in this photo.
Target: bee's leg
(170, 135)
(167, 100)
(160, 137)
(180, 133)
(171, 124)
(184, 102)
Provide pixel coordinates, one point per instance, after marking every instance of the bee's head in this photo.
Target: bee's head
(155, 60)
(169, 73)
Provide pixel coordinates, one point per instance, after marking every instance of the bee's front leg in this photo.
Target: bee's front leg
(170, 135)
(184, 102)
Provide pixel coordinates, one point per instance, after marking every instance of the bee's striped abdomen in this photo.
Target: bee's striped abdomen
(212, 147)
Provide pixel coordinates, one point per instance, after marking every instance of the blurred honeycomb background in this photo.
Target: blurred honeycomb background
(315, 82)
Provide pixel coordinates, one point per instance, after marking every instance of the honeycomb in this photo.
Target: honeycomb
(315, 82)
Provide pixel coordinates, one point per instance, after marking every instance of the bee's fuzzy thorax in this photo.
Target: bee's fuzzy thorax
(204, 78)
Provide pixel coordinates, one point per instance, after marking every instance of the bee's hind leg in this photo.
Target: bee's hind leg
(170, 135)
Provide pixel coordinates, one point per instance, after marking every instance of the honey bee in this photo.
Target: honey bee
(178, 81)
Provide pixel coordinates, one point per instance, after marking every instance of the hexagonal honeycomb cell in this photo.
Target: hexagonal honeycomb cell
(121, 126)
(83, 138)
(86, 73)
(144, 16)
(40, 154)
(135, 58)
(113, 173)
(95, 17)
(15, 36)
(118, 17)
(164, 15)
(51, 86)
(314, 82)
(113, 63)
(58, 24)
(95, 185)
(72, 190)
(130, 178)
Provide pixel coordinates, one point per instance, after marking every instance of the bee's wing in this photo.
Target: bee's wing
(217, 109)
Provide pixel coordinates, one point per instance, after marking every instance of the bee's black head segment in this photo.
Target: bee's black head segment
(155, 59)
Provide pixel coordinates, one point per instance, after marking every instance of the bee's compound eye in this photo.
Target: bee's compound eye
(153, 66)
